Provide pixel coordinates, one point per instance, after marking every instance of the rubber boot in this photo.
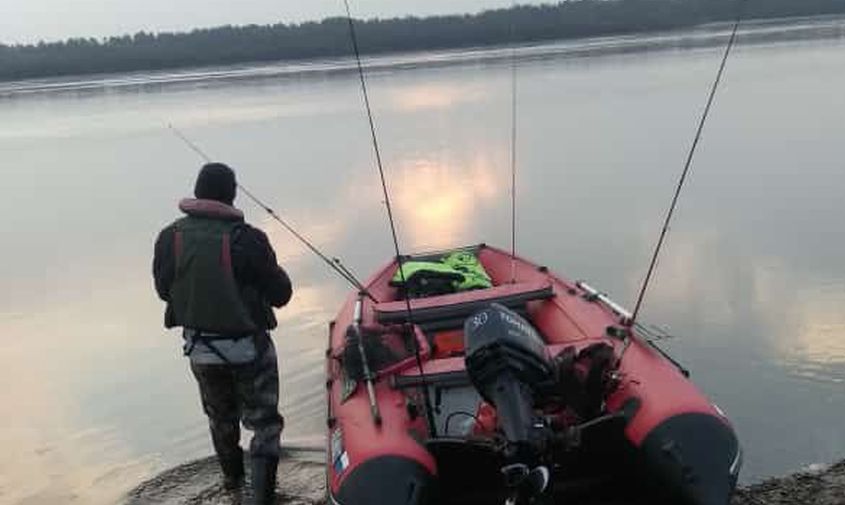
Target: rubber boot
(233, 471)
(264, 480)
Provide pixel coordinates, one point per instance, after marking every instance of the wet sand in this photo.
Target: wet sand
(302, 482)
(818, 487)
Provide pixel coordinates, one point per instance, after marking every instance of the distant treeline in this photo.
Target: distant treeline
(330, 38)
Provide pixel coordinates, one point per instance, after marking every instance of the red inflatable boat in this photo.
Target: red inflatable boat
(535, 389)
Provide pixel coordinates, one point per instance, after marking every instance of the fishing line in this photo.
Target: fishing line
(399, 259)
(334, 264)
(514, 82)
(689, 159)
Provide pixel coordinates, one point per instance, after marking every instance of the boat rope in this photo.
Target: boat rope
(690, 156)
(335, 264)
(399, 259)
(514, 83)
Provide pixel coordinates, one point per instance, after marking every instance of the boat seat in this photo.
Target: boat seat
(450, 311)
(446, 380)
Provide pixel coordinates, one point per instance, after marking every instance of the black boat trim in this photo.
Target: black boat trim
(693, 458)
(393, 479)
(460, 311)
(456, 379)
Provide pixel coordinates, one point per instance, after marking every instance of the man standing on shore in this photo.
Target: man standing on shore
(219, 278)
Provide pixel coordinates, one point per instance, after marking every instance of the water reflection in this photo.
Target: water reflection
(809, 329)
(52, 452)
(697, 274)
(704, 278)
(438, 202)
(821, 330)
(322, 231)
(309, 311)
(426, 96)
(94, 115)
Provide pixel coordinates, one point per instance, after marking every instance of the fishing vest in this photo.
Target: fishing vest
(204, 294)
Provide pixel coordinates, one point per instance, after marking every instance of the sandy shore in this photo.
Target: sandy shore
(822, 487)
(303, 483)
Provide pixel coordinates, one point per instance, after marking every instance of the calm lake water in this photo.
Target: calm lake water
(97, 395)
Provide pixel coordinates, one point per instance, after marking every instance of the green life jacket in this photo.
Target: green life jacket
(475, 277)
(204, 294)
(461, 269)
(426, 268)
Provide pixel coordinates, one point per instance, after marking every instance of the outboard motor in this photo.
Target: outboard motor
(507, 363)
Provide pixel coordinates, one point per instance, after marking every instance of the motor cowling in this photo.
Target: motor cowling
(508, 363)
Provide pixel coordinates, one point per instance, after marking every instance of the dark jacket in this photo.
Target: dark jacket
(253, 263)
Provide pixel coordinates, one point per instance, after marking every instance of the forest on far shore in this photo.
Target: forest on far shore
(330, 38)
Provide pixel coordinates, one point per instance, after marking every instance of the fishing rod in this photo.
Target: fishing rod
(399, 259)
(688, 164)
(335, 264)
(514, 82)
(366, 371)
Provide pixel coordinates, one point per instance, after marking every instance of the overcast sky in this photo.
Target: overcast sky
(33, 20)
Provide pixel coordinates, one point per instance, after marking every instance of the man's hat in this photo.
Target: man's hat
(216, 181)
